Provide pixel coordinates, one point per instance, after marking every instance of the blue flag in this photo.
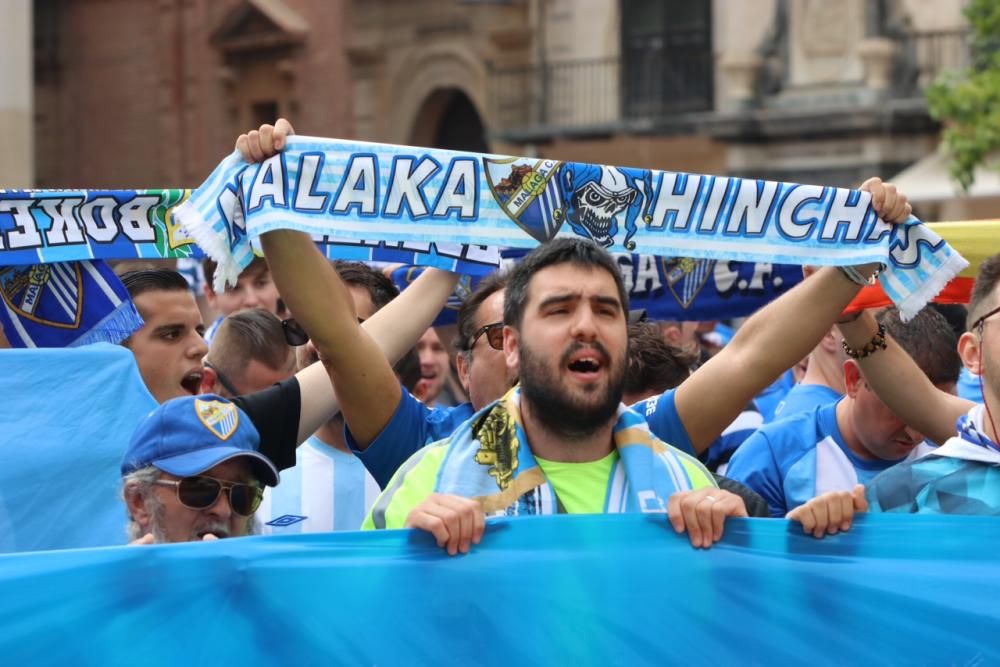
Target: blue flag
(65, 304)
(561, 590)
(67, 416)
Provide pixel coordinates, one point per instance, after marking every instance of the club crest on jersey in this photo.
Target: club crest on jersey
(48, 294)
(528, 192)
(218, 417)
(685, 277)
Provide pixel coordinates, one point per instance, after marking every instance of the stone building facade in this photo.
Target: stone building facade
(132, 93)
(152, 93)
(800, 90)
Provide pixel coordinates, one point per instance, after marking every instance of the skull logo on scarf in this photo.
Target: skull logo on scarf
(599, 198)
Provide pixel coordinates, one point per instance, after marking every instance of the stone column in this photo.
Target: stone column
(17, 131)
(739, 71)
(876, 54)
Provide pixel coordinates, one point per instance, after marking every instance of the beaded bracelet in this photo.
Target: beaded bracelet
(874, 345)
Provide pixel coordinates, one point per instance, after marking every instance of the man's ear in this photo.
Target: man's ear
(673, 335)
(971, 352)
(209, 380)
(209, 295)
(462, 368)
(136, 504)
(511, 346)
(853, 379)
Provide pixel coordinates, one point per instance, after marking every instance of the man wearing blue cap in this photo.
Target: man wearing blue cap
(192, 472)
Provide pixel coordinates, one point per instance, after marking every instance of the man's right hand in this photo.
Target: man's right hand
(454, 521)
(260, 144)
(831, 512)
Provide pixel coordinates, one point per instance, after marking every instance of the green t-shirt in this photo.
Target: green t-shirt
(581, 487)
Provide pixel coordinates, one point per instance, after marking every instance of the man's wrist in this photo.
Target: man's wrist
(864, 275)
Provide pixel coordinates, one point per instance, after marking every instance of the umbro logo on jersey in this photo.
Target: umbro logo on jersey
(286, 520)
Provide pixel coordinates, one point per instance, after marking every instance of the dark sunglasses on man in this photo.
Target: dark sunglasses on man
(223, 380)
(295, 335)
(494, 335)
(201, 492)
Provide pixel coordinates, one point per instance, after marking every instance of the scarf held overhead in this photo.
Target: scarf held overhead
(397, 193)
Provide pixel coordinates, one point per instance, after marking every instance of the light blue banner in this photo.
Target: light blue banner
(565, 590)
(66, 416)
(368, 191)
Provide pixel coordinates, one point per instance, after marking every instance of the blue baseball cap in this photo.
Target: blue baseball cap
(188, 435)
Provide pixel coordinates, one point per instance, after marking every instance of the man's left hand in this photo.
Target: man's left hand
(703, 513)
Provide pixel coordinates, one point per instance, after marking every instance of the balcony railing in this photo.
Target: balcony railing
(648, 87)
(599, 95)
(924, 56)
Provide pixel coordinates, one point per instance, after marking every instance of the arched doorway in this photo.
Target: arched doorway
(449, 119)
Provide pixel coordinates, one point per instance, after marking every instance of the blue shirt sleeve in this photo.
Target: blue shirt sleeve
(661, 415)
(405, 433)
(754, 465)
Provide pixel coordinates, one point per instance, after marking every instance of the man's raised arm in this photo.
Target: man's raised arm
(902, 386)
(357, 358)
(774, 338)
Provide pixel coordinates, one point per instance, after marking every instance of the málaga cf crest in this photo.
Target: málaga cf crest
(528, 191)
(220, 418)
(686, 276)
(48, 294)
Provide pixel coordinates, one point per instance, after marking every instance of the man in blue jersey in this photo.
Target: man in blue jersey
(823, 381)
(961, 476)
(838, 445)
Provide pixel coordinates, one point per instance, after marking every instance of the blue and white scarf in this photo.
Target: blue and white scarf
(365, 191)
(65, 304)
(971, 443)
(489, 459)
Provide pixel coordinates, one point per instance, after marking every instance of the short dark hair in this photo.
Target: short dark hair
(149, 280)
(250, 334)
(209, 265)
(986, 281)
(929, 341)
(380, 289)
(954, 313)
(584, 253)
(654, 365)
(466, 324)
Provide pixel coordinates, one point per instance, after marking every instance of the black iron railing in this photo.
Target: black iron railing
(600, 94)
(650, 85)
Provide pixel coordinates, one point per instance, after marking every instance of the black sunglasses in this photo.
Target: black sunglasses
(978, 324)
(494, 335)
(200, 493)
(223, 380)
(295, 335)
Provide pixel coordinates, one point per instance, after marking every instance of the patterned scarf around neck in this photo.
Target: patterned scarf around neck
(489, 459)
(971, 443)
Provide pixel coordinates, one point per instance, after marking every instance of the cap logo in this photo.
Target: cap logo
(218, 417)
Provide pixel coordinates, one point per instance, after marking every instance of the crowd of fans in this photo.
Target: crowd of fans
(325, 373)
